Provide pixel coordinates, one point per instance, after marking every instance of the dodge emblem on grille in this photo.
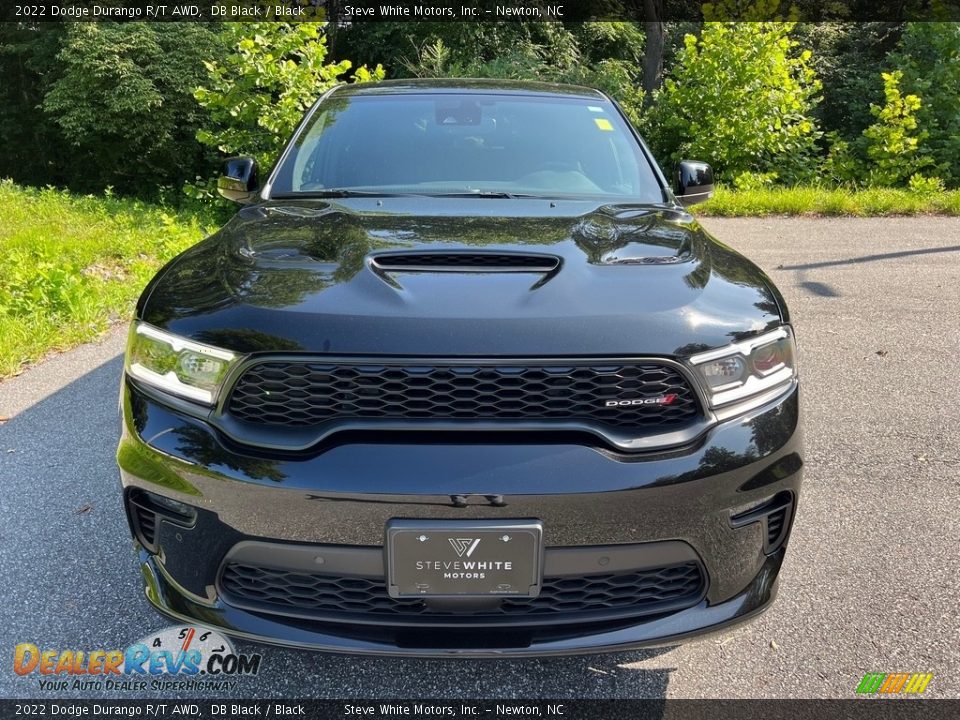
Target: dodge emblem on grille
(658, 400)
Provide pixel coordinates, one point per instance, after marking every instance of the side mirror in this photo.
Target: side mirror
(694, 182)
(238, 180)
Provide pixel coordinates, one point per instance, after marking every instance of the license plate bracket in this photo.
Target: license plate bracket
(464, 558)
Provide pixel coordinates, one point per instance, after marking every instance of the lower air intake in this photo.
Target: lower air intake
(637, 592)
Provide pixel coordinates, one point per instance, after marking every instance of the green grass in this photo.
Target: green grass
(816, 201)
(71, 266)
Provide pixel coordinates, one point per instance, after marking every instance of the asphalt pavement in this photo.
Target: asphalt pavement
(870, 584)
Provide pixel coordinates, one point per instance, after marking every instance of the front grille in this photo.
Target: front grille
(466, 262)
(304, 394)
(637, 592)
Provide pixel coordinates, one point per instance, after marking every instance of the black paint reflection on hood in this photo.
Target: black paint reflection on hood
(296, 276)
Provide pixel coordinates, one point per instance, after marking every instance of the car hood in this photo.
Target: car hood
(298, 276)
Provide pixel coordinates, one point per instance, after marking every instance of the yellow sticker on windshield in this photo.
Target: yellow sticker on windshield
(603, 124)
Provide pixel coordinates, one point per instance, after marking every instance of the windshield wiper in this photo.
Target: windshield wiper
(336, 193)
(348, 193)
(485, 194)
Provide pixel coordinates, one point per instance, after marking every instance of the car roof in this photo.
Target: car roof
(479, 86)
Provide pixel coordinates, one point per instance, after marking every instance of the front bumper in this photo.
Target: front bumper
(698, 504)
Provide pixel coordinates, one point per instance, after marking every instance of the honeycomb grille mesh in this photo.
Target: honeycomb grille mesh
(643, 591)
(313, 393)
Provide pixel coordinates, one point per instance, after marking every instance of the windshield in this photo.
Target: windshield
(452, 144)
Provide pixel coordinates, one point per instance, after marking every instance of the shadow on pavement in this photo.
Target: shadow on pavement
(870, 258)
(819, 288)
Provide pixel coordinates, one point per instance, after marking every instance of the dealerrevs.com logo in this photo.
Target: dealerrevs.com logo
(187, 650)
(894, 683)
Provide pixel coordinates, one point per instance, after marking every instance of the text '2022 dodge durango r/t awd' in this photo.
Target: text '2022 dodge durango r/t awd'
(461, 377)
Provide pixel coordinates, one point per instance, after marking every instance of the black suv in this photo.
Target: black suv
(462, 377)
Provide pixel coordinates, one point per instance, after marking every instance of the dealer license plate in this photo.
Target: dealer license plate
(453, 558)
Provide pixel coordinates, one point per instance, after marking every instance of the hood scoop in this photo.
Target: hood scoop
(465, 261)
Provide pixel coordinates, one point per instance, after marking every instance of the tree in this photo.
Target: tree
(928, 61)
(401, 45)
(655, 32)
(599, 41)
(846, 58)
(122, 98)
(740, 96)
(271, 74)
(32, 150)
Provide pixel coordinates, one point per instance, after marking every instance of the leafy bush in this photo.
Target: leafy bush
(893, 141)
(618, 77)
(122, 99)
(925, 185)
(843, 164)
(599, 41)
(929, 62)
(401, 45)
(846, 56)
(739, 97)
(432, 60)
(272, 73)
(34, 281)
(754, 181)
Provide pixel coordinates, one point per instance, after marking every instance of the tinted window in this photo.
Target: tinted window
(450, 143)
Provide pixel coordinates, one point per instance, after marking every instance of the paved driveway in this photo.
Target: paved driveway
(871, 581)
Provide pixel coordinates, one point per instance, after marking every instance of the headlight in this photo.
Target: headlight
(177, 365)
(745, 369)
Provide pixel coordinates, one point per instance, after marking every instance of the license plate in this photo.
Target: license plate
(440, 558)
